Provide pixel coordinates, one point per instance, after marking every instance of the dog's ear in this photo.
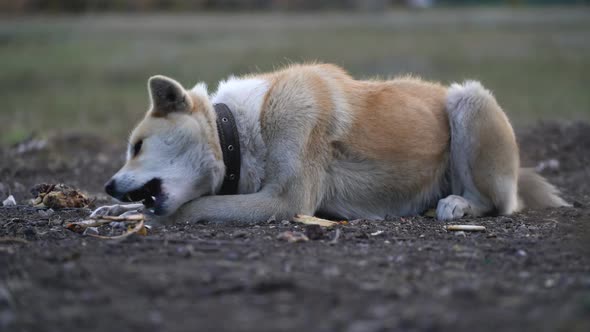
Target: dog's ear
(167, 96)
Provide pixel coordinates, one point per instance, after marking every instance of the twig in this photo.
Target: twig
(87, 223)
(467, 228)
(311, 220)
(134, 230)
(131, 218)
(7, 239)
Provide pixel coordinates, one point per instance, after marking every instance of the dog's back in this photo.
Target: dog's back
(383, 144)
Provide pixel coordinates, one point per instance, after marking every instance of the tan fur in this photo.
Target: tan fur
(360, 149)
(535, 192)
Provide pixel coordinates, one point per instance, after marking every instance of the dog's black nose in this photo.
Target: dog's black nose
(110, 187)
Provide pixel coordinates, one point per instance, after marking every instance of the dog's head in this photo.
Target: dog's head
(174, 154)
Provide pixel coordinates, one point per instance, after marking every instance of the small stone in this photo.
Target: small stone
(377, 233)
(460, 233)
(522, 229)
(46, 213)
(240, 235)
(549, 283)
(10, 201)
(548, 165)
(55, 222)
(90, 231)
(285, 222)
(521, 253)
(314, 232)
(292, 237)
(272, 219)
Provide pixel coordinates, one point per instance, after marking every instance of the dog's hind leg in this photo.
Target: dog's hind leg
(484, 159)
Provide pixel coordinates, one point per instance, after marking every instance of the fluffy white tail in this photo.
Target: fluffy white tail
(535, 192)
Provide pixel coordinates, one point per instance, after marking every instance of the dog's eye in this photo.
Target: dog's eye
(137, 147)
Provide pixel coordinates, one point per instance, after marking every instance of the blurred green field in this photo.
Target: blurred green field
(88, 73)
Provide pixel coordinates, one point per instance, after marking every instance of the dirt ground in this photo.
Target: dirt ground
(527, 272)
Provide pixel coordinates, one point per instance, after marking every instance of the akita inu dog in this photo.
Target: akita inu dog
(310, 139)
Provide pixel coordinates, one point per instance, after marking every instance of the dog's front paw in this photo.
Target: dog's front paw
(117, 210)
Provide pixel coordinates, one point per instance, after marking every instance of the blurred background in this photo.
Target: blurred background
(83, 65)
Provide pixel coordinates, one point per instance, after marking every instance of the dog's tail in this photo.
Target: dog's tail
(535, 192)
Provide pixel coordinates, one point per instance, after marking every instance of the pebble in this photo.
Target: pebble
(30, 145)
(240, 235)
(55, 222)
(10, 201)
(90, 231)
(377, 233)
(521, 253)
(314, 232)
(285, 222)
(292, 237)
(46, 213)
(549, 165)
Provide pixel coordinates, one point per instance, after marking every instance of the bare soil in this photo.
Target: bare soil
(527, 272)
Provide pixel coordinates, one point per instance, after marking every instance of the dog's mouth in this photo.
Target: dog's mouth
(150, 194)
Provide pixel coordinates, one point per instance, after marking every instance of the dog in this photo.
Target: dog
(310, 139)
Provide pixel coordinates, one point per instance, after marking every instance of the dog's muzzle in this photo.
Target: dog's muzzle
(149, 193)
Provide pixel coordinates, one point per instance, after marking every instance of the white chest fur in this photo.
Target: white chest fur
(245, 97)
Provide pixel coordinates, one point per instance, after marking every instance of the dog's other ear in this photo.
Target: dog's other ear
(167, 96)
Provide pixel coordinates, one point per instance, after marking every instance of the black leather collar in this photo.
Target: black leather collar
(230, 147)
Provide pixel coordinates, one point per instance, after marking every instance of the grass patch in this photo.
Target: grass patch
(89, 73)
